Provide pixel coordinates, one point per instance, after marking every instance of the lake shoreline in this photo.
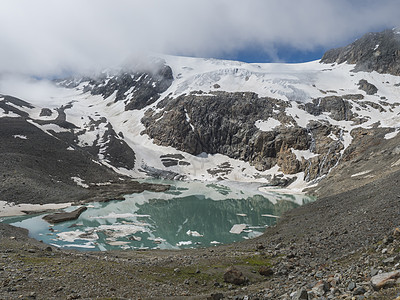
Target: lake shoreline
(331, 241)
(191, 214)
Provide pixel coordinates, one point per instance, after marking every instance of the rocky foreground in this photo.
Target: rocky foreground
(339, 247)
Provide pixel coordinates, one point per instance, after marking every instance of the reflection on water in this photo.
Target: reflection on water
(191, 214)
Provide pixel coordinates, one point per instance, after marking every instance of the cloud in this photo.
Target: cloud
(44, 37)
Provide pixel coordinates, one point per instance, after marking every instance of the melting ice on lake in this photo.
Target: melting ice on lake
(190, 214)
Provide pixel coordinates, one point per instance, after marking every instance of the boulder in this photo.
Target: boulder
(233, 275)
(216, 296)
(301, 294)
(265, 271)
(367, 87)
(384, 280)
(64, 216)
(321, 288)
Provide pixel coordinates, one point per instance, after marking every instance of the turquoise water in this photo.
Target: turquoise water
(190, 214)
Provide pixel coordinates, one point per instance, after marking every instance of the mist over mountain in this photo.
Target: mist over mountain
(47, 38)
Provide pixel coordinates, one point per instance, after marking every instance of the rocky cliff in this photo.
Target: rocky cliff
(226, 123)
(378, 52)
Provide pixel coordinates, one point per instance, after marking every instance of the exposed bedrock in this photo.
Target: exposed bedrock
(378, 52)
(367, 87)
(137, 86)
(136, 89)
(338, 108)
(225, 123)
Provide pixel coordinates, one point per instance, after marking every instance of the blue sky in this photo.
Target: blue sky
(47, 37)
(289, 54)
(283, 54)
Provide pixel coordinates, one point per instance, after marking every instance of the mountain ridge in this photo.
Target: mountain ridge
(378, 52)
(201, 119)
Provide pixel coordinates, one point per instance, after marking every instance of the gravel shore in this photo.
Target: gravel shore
(329, 249)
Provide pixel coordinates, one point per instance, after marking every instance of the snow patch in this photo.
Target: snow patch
(121, 230)
(194, 233)
(71, 236)
(18, 136)
(395, 164)
(10, 209)
(391, 135)
(88, 245)
(10, 114)
(306, 154)
(184, 243)
(361, 173)
(269, 216)
(80, 182)
(188, 120)
(114, 215)
(268, 124)
(117, 243)
(237, 228)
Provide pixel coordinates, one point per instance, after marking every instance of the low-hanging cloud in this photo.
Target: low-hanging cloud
(45, 37)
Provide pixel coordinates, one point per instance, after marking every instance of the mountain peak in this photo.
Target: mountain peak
(378, 52)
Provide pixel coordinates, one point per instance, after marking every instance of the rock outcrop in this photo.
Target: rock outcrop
(137, 87)
(378, 52)
(64, 216)
(225, 123)
(338, 107)
(367, 87)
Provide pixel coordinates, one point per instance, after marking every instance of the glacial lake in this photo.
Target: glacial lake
(189, 215)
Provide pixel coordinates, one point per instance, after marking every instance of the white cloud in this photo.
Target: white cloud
(46, 36)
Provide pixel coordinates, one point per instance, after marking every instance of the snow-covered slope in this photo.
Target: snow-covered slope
(324, 102)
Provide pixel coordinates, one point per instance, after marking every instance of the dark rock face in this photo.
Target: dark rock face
(338, 107)
(225, 123)
(118, 153)
(170, 160)
(136, 88)
(108, 146)
(328, 148)
(367, 87)
(13, 108)
(378, 52)
(46, 112)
